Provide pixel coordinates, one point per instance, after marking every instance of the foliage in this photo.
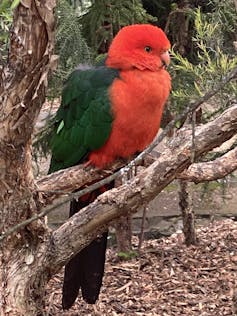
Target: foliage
(159, 9)
(98, 25)
(80, 5)
(212, 63)
(225, 13)
(105, 18)
(6, 10)
(41, 141)
(70, 45)
(5, 24)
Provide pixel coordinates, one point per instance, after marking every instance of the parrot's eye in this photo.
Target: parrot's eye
(148, 49)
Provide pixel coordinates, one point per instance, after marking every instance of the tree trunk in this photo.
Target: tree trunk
(188, 215)
(17, 203)
(123, 228)
(22, 92)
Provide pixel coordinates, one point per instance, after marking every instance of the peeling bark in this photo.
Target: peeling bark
(22, 92)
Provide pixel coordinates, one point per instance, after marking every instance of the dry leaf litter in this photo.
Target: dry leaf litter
(167, 279)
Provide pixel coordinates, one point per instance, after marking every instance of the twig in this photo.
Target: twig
(124, 287)
(28, 221)
(193, 137)
(51, 298)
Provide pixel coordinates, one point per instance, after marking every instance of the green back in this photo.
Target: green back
(84, 118)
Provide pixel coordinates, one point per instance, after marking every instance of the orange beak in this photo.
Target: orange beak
(165, 58)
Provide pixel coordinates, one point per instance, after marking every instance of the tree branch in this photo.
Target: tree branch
(212, 170)
(81, 228)
(67, 180)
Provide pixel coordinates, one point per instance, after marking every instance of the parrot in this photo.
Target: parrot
(109, 111)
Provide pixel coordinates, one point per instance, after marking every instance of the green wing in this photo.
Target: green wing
(84, 118)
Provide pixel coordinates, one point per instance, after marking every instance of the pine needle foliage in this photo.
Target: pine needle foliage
(213, 62)
(106, 17)
(72, 50)
(70, 46)
(226, 13)
(41, 140)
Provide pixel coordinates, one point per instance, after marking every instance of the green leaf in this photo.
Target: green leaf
(60, 127)
(15, 4)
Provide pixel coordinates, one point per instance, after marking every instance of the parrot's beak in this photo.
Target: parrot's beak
(165, 59)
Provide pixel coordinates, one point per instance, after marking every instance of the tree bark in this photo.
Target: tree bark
(211, 170)
(188, 215)
(123, 227)
(22, 92)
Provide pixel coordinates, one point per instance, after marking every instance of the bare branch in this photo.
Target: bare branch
(212, 170)
(223, 128)
(67, 180)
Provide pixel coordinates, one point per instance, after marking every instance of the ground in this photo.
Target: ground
(167, 279)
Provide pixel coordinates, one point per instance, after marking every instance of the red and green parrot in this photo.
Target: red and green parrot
(109, 111)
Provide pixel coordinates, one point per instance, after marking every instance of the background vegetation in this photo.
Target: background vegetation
(201, 32)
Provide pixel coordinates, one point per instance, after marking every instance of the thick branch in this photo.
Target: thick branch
(212, 170)
(80, 229)
(67, 180)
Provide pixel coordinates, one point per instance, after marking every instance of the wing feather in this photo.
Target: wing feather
(84, 118)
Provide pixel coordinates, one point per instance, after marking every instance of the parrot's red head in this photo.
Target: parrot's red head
(141, 46)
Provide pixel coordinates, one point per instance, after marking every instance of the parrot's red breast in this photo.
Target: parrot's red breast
(138, 96)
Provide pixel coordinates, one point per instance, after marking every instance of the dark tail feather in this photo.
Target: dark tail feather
(86, 269)
(94, 261)
(71, 282)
